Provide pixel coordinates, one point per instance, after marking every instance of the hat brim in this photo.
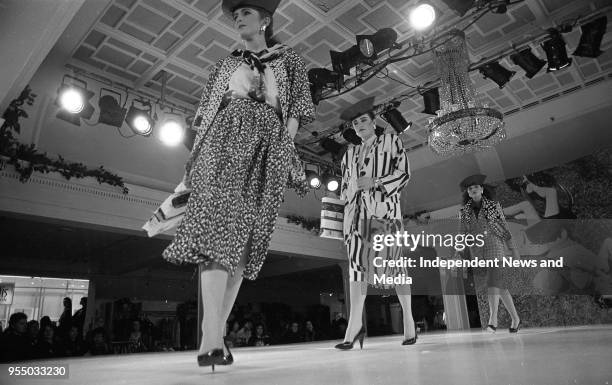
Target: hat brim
(472, 180)
(229, 6)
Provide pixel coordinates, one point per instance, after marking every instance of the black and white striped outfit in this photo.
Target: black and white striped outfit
(374, 211)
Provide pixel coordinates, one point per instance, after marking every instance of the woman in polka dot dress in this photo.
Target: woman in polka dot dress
(242, 159)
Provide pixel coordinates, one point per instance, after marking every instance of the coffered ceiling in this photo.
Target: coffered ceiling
(133, 41)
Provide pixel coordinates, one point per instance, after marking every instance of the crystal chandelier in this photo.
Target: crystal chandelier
(462, 125)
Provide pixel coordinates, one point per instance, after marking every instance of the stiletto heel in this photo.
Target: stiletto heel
(349, 345)
(211, 358)
(516, 329)
(227, 359)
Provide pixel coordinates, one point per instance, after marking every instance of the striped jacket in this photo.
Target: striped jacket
(386, 161)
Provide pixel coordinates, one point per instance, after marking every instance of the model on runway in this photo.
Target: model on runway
(241, 161)
(480, 214)
(373, 175)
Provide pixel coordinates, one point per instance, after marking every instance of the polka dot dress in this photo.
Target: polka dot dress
(238, 183)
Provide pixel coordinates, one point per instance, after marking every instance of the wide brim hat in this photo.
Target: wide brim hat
(358, 109)
(229, 6)
(472, 180)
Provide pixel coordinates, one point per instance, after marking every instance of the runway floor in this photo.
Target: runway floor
(556, 356)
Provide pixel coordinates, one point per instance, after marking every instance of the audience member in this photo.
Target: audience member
(73, 345)
(293, 335)
(310, 334)
(260, 338)
(47, 346)
(14, 344)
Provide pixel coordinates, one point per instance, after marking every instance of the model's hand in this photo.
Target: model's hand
(292, 127)
(186, 181)
(365, 183)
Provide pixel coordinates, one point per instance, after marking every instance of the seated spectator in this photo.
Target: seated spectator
(33, 330)
(14, 343)
(310, 334)
(73, 345)
(245, 334)
(232, 335)
(339, 325)
(99, 345)
(136, 338)
(47, 346)
(293, 335)
(260, 338)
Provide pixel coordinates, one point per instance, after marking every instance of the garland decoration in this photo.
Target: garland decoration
(26, 158)
(310, 224)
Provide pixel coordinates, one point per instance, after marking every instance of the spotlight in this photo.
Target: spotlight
(422, 16)
(74, 101)
(431, 100)
(171, 131)
(497, 73)
(371, 45)
(111, 112)
(459, 6)
(331, 145)
(556, 52)
(313, 179)
(342, 62)
(139, 119)
(590, 40)
(331, 182)
(320, 78)
(396, 120)
(528, 62)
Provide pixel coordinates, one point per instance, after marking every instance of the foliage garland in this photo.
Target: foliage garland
(26, 158)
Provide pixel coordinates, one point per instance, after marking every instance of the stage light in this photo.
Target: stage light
(459, 6)
(497, 73)
(590, 40)
(171, 131)
(556, 52)
(74, 101)
(331, 182)
(331, 146)
(321, 78)
(342, 62)
(314, 181)
(499, 6)
(396, 120)
(111, 112)
(371, 45)
(431, 100)
(422, 16)
(528, 62)
(139, 119)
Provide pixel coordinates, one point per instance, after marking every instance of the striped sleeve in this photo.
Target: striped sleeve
(400, 170)
(345, 177)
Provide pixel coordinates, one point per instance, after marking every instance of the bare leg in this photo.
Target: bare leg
(509, 304)
(358, 292)
(403, 295)
(213, 281)
(493, 297)
(233, 287)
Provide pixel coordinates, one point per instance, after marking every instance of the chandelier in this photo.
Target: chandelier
(462, 125)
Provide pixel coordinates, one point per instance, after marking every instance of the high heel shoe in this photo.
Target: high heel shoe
(410, 341)
(491, 328)
(212, 357)
(227, 359)
(349, 345)
(516, 329)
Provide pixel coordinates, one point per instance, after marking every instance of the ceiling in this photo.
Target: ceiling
(132, 41)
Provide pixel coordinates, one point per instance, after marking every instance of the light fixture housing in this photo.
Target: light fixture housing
(592, 35)
(396, 120)
(74, 91)
(320, 78)
(331, 182)
(422, 16)
(496, 72)
(529, 62)
(139, 120)
(371, 45)
(431, 101)
(171, 131)
(556, 53)
(111, 112)
(313, 179)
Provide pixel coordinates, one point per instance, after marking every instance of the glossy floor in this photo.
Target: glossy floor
(556, 356)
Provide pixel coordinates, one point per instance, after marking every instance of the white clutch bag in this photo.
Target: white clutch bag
(169, 214)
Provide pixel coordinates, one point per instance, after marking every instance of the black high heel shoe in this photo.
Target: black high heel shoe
(516, 329)
(349, 345)
(411, 341)
(491, 328)
(227, 359)
(212, 357)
